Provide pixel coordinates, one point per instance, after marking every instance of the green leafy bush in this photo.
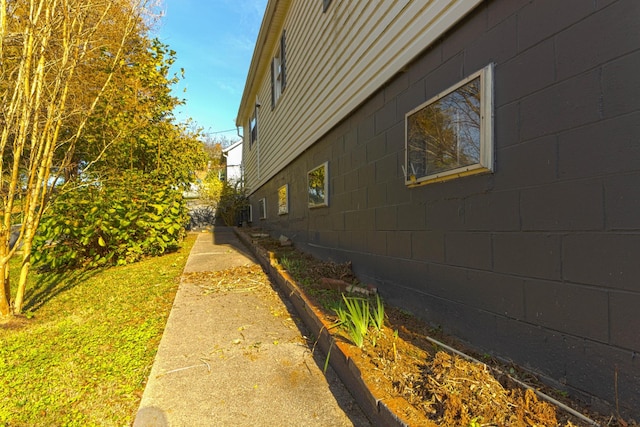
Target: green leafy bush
(211, 188)
(118, 221)
(233, 200)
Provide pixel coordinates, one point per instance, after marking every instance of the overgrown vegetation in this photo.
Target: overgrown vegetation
(211, 188)
(86, 94)
(117, 222)
(233, 201)
(83, 352)
(420, 381)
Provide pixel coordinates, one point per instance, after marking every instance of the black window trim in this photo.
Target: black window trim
(283, 70)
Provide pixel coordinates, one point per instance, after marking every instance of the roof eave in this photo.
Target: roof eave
(232, 146)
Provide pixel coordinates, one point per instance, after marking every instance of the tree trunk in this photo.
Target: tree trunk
(50, 42)
(5, 291)
(22, 284)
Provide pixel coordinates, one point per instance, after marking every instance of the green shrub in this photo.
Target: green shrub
(118, 221)
(211, 188)
(233, 201)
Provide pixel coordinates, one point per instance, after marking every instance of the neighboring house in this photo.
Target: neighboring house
(478, 161)
(233, 161)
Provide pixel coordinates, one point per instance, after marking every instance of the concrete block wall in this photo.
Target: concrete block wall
(537, 262)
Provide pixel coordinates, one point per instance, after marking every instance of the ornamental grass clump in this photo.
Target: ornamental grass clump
(356, 315)
(377, 314)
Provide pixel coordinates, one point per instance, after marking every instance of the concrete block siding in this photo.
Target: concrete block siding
(537, 262)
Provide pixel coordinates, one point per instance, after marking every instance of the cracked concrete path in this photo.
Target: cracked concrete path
(233, 353)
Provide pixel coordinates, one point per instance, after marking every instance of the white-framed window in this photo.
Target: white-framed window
(283, 200)
(279, 71)
(262, 208)
(451, 135)
(318, 186)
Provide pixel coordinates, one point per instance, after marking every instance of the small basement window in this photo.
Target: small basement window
(283, 200)
(262, 208)
(318, 186)
(451, 135)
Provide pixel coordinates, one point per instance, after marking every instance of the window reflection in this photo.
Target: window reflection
(317, 179)
(283, 199)
(445, 135)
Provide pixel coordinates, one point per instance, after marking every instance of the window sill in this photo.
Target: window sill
(447, 176)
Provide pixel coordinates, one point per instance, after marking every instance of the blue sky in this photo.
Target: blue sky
(214, 41)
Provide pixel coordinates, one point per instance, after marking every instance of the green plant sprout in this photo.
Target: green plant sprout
(359, 313)
(356, 315)
(475, 422)
(326, 361)
(395, 349)
(353, 315)
(287, 263)
(341, 314)
(377, 314)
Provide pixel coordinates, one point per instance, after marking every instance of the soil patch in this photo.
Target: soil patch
(423, 383)
(15, 322)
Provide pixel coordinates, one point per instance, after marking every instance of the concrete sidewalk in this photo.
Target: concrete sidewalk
(238, 358)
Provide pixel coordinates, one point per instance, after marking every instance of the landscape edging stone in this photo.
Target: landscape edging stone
(377, 412)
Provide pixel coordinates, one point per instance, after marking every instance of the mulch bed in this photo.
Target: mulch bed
(424, 384)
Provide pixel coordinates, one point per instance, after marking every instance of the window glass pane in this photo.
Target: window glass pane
(254, 129)
(318, 186)
(445, 135)
(283, 199)
(278, 72)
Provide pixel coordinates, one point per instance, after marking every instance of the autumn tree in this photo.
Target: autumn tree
(58, 58)
(128, 171)
(211, 179)
(134, 127)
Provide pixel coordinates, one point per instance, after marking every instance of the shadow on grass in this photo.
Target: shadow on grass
(48, 285)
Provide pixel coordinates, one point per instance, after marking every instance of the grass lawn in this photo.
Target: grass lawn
(83, 354)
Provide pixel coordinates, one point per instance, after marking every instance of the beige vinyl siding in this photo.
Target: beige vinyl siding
(335, 60)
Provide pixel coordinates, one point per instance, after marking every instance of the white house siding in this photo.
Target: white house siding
(335, 61)
(234, 168)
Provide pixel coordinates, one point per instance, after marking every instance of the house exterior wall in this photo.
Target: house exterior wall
(536, 262)
(335, 60)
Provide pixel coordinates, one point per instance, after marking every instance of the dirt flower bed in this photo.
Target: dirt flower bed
(422, 382)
